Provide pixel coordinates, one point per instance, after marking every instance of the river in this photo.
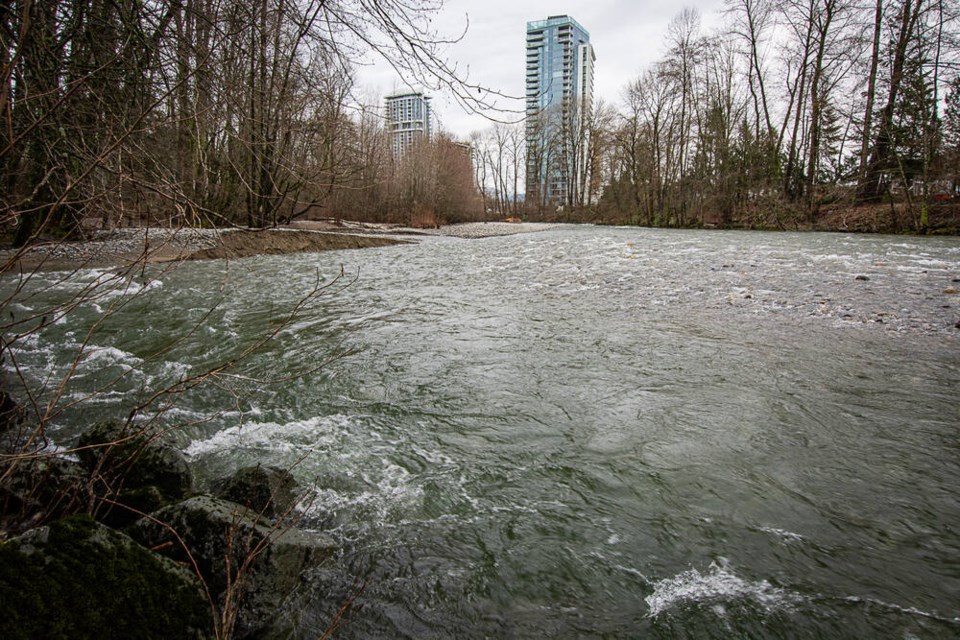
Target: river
(584, 432)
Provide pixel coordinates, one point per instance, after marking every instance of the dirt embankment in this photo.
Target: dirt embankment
(135, 247)
(940, 219)
(242, 244)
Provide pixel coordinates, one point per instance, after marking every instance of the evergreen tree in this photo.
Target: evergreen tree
(915, 131)
(951, 135)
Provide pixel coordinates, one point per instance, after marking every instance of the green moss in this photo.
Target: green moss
(266, 490)
(77, 579)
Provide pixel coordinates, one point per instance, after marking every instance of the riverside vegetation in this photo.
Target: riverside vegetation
(827, 114)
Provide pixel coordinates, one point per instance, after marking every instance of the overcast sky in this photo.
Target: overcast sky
(627, 36)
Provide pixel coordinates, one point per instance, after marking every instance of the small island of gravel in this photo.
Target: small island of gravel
(131, 246)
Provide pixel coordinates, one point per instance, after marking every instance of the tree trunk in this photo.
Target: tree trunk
(791, 186)
(816, 109)
(871, 94)
(874, 182)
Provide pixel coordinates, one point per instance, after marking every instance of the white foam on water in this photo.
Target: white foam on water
(296, 436)
(15, 309)
(899, 609)
(390, 492)
(32, 356)
(79, 279)
(127, 289)
(933, 263)
(84, 280)
(170, 373)
(173, 368)
(631, 571)
(105, 356)
(783, 534)
(183, 415)
(396, 487)
(716, 586)
(96, 397)
(29, 342)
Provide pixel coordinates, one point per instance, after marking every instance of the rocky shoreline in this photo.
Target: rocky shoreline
(130, 247)
(112, 540)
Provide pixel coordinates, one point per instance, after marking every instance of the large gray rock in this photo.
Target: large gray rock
(78, 579)
(241, 556)
(268, 491)
(133, 469)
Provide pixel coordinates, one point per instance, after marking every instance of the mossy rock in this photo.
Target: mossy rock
(11, 413)
(129, 506)
(269, 491)
(77, 579)
(38, 490)
(112, 438)
(222, 537)
(127, 458)
(163, 467)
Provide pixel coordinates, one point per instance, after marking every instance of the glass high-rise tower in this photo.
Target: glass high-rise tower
(560, 64)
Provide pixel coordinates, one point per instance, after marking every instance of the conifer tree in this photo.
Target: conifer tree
(951, 135)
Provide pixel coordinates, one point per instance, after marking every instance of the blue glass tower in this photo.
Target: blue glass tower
(560, 63)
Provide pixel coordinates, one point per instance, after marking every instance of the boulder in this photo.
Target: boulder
(34, 490)
(241, 556)
(164, 468)
(17, 434)
(268, 491)
(134, 470)
(76, 578)
(11, 413)
(107, 438)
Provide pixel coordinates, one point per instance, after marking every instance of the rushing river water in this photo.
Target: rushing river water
(584, 432)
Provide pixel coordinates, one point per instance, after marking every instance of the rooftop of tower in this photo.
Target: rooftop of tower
(552, 21)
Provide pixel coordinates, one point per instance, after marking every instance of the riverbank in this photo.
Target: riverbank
(116, 529)
(465, 230)
(131, 247)
(127, 247)
(136, 246)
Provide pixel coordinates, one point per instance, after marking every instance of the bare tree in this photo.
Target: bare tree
(867, 129)
(752, 22)
(684, 58)
(600, 151)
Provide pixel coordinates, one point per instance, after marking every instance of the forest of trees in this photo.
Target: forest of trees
(222, 112)
(212, 112)
(787, 109)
